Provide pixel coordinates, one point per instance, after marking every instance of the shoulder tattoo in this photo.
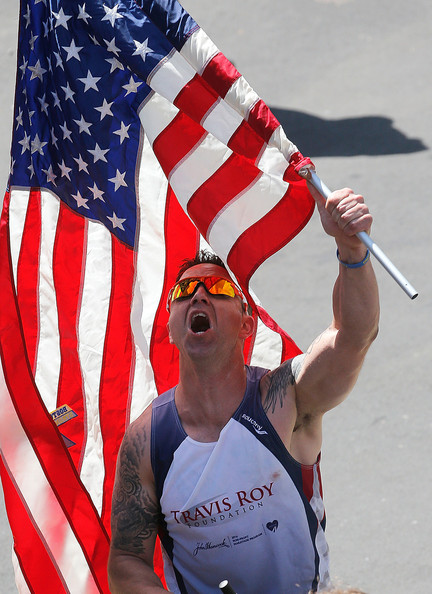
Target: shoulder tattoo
(135, 515)
(279, 380)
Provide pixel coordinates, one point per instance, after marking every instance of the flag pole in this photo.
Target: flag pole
(311, 176)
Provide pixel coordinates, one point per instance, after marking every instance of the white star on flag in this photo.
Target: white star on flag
(54, 139)
(114, 64)
(118, 180)
(65, 170)
(82, 165)
(37, 145)
(122, 132)
(105, 109)
(90, 81)
(62, 19)
(83, 125)
(37, 71)
(50, 175)
(97, 194)
(80, 200)
(132, 86)
(72, 51)
(66, 132)
(98, 153)
(142, 49)
(68, 93)
(25, 143)
(116, 221)
(111, 46)
(111, 14)
(82, 14)
(56, 99)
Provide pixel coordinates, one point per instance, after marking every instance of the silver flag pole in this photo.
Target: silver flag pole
(319, 185)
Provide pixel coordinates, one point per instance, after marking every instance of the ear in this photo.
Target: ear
(248, 326)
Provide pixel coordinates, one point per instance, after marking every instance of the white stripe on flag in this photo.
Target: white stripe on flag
(92, 326)
(48, 354)
(242, 97)
(35, 492)
(222, 121)
(171, 76)
(243, 211)
(17, 212)
(150, 265)
(156, 114)
(201, 163)
(272, 161)
(199, 50)
(267, 350)
(279, 140)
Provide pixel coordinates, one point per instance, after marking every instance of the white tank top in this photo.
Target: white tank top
(240, 509)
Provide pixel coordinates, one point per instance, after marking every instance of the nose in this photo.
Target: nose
(200, 294)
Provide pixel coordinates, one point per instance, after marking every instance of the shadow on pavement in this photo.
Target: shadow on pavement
(368, 135)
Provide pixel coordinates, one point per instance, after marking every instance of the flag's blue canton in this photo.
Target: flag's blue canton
(81, 78)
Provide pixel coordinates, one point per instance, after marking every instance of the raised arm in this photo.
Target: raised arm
(332, 363)
(134, 517)
(297, 394)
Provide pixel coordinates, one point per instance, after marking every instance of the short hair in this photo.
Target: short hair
(201, 257)
(205, 257)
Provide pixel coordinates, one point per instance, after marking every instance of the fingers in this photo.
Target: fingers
(349, 211)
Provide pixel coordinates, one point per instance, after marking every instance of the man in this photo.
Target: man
(226, 465)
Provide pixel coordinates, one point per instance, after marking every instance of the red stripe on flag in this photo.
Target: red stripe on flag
(181, 242)
(232, 178)
(289, 347)
(176, 141)
(196, 98)
(39, 427)
(262, 120)
(69, 248)
(117, 367)
(246, 142)
(37, 566)
(271, 232)
(220, 74)
(27, 276)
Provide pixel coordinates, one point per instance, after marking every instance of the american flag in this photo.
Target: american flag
(135, 141)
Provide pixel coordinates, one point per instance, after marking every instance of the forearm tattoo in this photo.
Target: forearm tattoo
(135, 514)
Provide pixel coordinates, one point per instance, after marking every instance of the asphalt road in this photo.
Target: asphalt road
(350, 81)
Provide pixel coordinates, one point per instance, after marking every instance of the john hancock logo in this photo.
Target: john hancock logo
(207, 546)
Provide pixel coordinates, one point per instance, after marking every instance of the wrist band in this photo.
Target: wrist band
(357, 264)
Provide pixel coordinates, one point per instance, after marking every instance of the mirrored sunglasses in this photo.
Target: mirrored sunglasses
(214, 285)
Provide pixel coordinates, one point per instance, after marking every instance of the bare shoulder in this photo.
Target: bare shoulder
(135, 510)
(277, 385)
(279, 397)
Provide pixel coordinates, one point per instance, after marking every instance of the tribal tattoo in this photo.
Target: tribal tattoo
(279, 380)
(135, 514)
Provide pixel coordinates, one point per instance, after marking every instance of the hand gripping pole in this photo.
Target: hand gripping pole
(318, 184)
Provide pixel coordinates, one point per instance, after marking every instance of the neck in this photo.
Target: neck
(208, 394)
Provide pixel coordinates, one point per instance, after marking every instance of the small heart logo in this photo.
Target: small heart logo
(272, 526)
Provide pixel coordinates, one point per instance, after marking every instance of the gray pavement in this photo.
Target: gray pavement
(350, 81)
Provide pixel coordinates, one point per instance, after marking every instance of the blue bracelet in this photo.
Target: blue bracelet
(357, 264)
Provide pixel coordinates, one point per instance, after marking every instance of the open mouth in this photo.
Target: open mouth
(200, 323)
